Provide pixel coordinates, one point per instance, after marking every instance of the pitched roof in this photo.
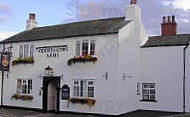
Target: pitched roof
(176, 40)
(85, 28)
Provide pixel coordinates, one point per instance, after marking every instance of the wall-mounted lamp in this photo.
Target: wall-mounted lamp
(48, 71)
(40, 91)
(105, 75)
(125, 76)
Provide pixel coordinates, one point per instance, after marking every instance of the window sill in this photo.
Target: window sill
(148, 100)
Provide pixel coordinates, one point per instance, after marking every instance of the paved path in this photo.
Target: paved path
(26, 113)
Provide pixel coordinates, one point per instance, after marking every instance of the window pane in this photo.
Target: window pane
(19, 88)
(146, 86)
(29, 86)
(26, 49)
(21, 51)
(76, 82)
(77, 48)
(149, 91)
(90, 91)
(152, 97)
(152, 91)
(152, 86)
(85, 90)
(76, 91)
(146, 97)
(84, 47)
(31, 51)
(90, 83)
(92, 47)
(24, 89)
(145, 91)
(81, 88)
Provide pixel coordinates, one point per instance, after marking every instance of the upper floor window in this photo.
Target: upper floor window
(85, 47)
(24, 86)
(26, 51)
(83, 88)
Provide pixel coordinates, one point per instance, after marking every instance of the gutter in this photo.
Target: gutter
(184, 77)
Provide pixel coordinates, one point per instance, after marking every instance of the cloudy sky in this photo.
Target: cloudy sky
(14, 13)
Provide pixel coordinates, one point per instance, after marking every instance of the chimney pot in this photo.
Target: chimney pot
(133, 1)
(169, 19)
(164, 19)
(32, 16)
(173, 18)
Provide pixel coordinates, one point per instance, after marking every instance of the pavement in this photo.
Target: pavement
(141, 113)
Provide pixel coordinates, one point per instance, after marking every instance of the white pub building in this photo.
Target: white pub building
(106, 66)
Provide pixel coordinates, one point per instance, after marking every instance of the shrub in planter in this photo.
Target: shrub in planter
(29, 60)
(87, 58)
(22, 97)
(89, 102)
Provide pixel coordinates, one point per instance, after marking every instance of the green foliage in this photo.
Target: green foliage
(70, 61)
(28, 60)
(87, 58)
(22, 97)
(88, 101)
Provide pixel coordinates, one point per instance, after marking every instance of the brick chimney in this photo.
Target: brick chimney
(31, 22)
(169, 27)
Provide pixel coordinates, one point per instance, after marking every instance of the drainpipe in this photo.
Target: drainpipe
(184, 76)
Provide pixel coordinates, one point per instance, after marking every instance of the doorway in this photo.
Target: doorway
(51, 94)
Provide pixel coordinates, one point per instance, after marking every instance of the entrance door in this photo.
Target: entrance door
(51, 93)
(52, 96)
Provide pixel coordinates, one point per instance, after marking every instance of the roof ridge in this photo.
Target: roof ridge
(82, 21)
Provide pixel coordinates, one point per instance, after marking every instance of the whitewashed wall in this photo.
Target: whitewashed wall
(164, 66)
(131, 38)
(105, 90)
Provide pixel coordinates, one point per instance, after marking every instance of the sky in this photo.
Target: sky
(14, 13)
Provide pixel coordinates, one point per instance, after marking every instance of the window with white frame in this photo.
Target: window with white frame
(85, 47)
(149, 91)
(77, 48)
(92, 47)
(83, 88)
(26, 51)
(24, 86)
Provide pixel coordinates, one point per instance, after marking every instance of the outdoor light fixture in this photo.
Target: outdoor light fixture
(48, 71)
(40, 91)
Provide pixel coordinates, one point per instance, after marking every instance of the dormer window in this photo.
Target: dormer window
(85, 47)
(26, 51)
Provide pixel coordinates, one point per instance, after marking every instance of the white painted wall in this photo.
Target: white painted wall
(163, 66)
(106, 49)
(131, 37)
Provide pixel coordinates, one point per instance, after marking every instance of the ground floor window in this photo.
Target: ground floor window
(83, 88)
(149, 91)
(24, 86)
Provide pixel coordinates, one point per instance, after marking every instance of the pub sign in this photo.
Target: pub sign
(65, 92)
(5, 62)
